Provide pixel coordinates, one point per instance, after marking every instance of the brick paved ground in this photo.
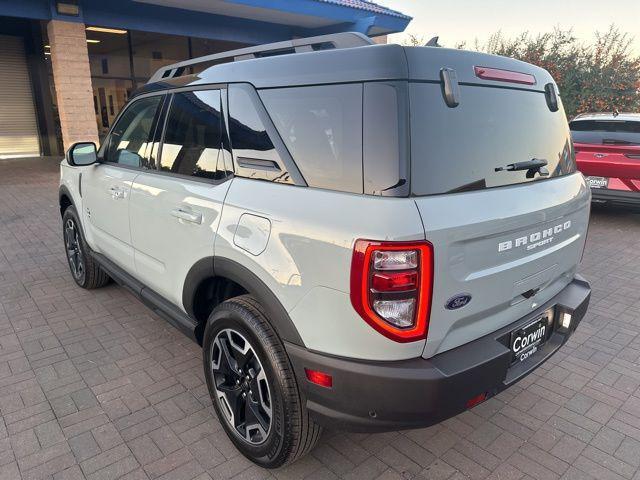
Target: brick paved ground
(93, 385)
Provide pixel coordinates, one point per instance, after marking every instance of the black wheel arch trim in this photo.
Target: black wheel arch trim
(63, 191)
(232, 270)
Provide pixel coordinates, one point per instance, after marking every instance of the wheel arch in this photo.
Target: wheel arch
(234, 275)
(65, 199)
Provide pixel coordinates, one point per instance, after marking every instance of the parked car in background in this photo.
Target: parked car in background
(607, 149)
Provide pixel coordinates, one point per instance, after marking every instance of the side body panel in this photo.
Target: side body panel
(306, 261)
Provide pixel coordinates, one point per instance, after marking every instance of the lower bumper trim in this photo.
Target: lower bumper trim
(380, 396)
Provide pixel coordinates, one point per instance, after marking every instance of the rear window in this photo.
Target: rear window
(606, 132)
(322, 129)
(458, 149)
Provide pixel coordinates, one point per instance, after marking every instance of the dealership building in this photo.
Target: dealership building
(67, 67)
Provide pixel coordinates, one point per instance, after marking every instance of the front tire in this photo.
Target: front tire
(253, 387)
(84, 270)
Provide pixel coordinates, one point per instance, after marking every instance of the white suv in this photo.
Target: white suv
(366, 236)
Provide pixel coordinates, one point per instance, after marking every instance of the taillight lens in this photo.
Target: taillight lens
(391, 286)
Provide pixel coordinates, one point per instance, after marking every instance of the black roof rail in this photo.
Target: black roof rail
(298, 45)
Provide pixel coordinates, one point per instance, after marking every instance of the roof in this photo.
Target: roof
(620, 117)
(367, 6)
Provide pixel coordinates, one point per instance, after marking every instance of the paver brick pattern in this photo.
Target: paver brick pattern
(94, 385)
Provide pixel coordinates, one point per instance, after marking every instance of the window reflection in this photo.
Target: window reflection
(130, 137)
(193, 135)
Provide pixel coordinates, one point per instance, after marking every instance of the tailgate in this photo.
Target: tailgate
(496, 245)
(619, 163)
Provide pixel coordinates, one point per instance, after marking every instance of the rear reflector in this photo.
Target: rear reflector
(319, 378)
(504, 76)
(478, 399)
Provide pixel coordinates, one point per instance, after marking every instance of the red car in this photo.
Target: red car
(607, 149)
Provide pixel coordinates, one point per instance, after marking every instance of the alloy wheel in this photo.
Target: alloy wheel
(242, 389)
(74, 249)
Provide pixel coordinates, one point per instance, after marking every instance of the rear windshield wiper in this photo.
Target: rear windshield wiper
(533, 166)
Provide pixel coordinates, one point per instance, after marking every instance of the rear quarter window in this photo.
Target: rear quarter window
(321, 127)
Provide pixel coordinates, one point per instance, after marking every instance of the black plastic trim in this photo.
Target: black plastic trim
(373, 396)
(277, 314)
(615, 197)
(153, 300)
(199, 272)
(64, 191)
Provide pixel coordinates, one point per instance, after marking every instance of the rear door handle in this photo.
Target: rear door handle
(191, 217)
(116, 192)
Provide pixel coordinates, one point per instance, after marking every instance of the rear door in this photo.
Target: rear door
(176, 207)
(510, 240)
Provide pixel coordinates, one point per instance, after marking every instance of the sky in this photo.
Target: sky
(466, 20)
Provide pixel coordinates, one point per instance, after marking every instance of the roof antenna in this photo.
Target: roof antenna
(433, 42)
(615, 112)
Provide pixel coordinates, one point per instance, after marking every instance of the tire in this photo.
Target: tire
(84, 269)
(291, 433)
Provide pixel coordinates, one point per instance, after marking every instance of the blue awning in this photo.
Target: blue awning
(245, 21)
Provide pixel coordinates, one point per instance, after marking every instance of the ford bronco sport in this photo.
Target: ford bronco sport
(372, 237)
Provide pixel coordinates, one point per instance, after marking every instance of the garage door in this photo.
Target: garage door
(18, 127)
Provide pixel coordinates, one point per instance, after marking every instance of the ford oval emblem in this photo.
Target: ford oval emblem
(458, 301)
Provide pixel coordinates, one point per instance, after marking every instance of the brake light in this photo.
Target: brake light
(391, 287)
(504, 75)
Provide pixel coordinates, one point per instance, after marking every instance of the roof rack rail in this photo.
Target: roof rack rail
(298, 45)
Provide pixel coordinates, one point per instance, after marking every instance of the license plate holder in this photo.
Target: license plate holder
(526, 341)
(598, 182)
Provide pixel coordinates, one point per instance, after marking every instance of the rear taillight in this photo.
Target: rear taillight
(391, 285)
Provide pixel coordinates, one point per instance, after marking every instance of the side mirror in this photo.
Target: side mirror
(81, 154)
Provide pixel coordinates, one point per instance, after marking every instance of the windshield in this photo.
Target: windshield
(460, 149)
(606, 132)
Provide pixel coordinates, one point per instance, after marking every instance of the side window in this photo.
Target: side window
(130, 137)
(322, 129)
(192, 141)
(254, 151)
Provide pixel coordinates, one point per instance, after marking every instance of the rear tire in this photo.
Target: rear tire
(281, 430)
(84, 269)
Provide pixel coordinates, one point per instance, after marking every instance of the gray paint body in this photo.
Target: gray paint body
(299, 240)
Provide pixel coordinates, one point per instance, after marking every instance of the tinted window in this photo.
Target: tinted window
(458, 149)
(193, 134)
(322, 128)
(254, 151)
(130, 137)
(611, 132)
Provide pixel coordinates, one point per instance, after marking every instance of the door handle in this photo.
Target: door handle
(116, 193)
(191, 217)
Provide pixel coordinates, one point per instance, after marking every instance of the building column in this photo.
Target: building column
(72, 80)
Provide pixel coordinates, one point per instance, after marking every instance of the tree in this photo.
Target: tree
(604, 76)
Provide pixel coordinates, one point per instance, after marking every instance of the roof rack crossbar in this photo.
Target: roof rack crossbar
(298, 45)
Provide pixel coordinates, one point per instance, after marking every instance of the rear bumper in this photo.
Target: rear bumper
(379, 396)
(615, 197)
